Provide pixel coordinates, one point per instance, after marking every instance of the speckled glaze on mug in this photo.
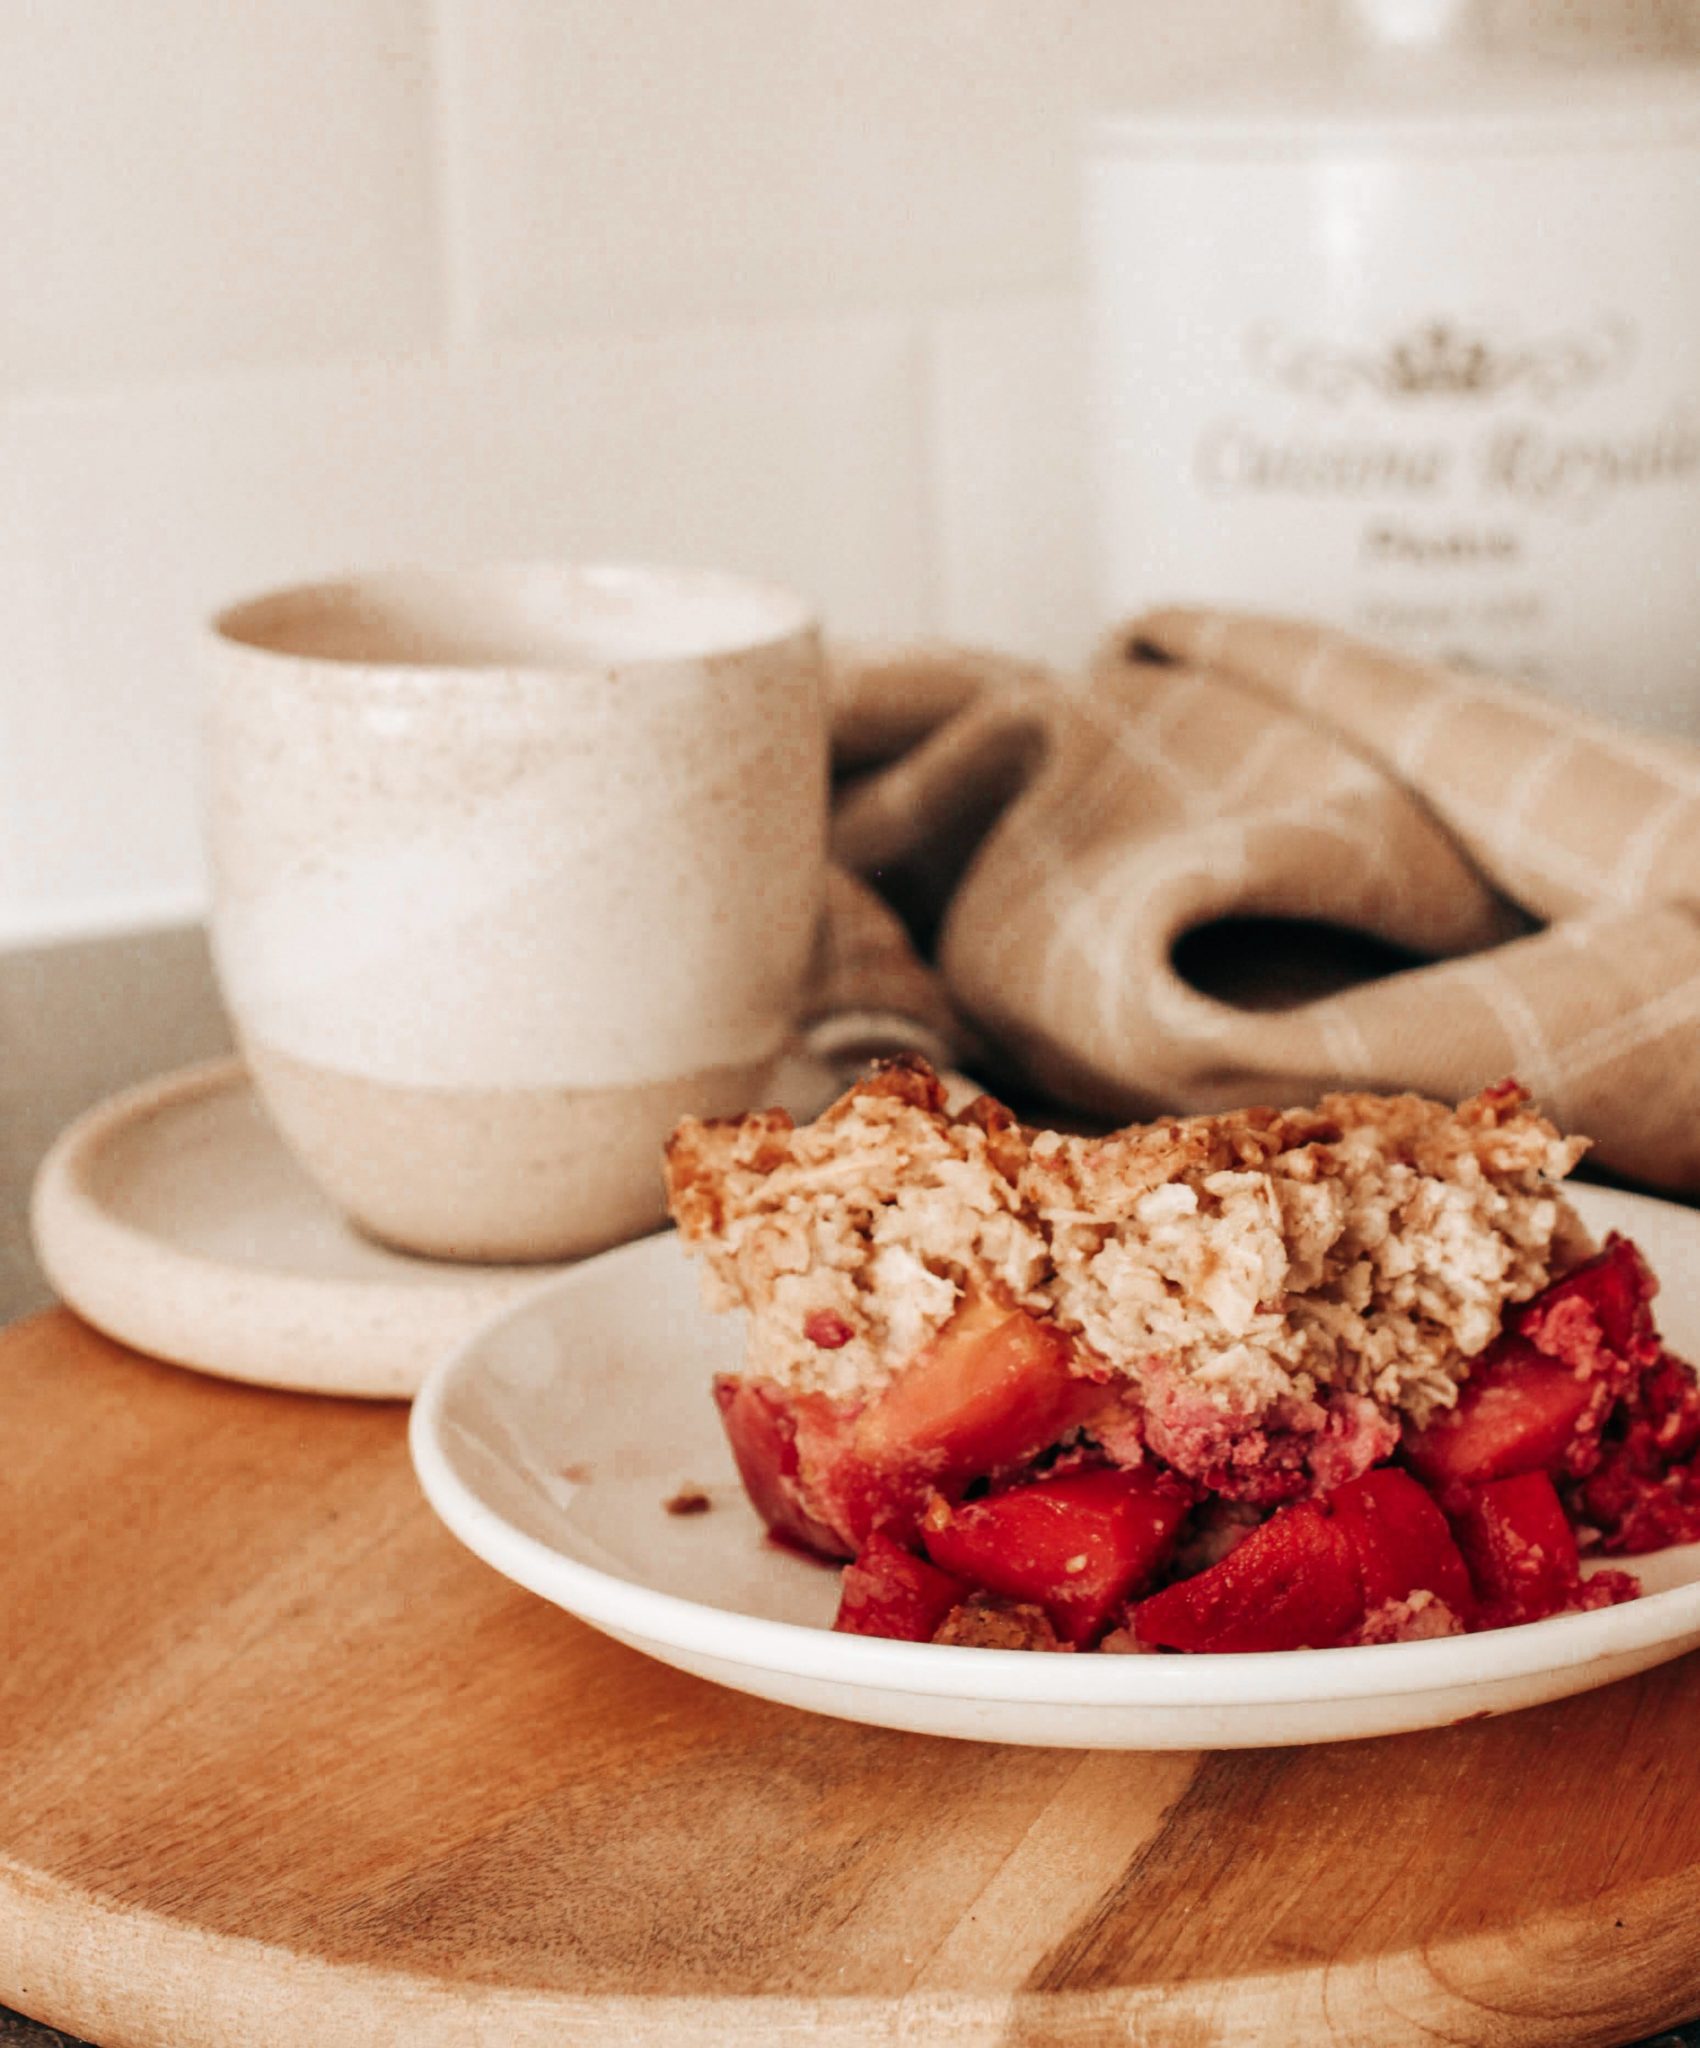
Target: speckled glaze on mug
(511, 868)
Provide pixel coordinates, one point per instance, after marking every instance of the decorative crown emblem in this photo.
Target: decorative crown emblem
(1442, 359)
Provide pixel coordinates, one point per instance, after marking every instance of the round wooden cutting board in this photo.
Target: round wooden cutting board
(281, 1765)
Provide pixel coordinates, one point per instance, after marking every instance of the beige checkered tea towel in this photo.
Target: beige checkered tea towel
(1045, 842)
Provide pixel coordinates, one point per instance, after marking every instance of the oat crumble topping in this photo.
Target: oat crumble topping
(1257, 1258)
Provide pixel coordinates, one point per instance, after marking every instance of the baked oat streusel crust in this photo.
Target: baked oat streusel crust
(1257, 1258)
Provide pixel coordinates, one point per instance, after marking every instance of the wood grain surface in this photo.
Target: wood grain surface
(280, 1764)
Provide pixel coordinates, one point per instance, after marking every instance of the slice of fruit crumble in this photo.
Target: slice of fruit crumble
(1262, 1380)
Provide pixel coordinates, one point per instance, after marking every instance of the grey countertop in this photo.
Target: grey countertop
(78, 1021)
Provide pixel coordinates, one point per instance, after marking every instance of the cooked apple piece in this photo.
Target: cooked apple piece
(1078, 1546)
(761, 1427)
(1520, 1549)
(1292, 1584)
(989, 1394)
(1400, 1541)
(1519, 1411)
(992, 1390)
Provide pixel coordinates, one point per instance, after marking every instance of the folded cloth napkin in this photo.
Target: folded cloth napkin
(1020, 853)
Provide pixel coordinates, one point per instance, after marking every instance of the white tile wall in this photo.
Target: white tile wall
(665, 158)
(293, 285)
(1013, 517)
(788, 450)
(188, 183)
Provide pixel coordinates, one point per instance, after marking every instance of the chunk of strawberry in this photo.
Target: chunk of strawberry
(1518, 1411)
(1617, 1285)
(889, 1591)
(1400, 1541)
(1077, 1546)
(1292, 1584)
(1520, 1549)
(761, 1426)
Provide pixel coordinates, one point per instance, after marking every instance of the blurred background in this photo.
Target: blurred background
(790, 286)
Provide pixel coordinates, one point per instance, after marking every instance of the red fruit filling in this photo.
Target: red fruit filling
(1078, 1546)
(1302, 1447)
(1315, 1572)
(1644, 1493)
(1583, 1391)
(986, 1397)
(889, 1591)
(1400, 1542)
(991, 1391)
(1605, 1301)
(1292, 1584)
(761, 1426)
(1520, 1549)
(827, 1331)
(1519, 1411)
(1574, 1423)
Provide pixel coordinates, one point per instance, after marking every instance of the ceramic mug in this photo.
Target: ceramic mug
(512, 867)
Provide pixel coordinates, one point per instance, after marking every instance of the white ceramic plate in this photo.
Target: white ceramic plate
(550, 1443)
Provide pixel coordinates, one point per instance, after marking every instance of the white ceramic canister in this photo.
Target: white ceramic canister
(1410, 341)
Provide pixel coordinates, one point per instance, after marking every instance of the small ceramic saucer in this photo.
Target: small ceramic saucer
(173, 1218)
